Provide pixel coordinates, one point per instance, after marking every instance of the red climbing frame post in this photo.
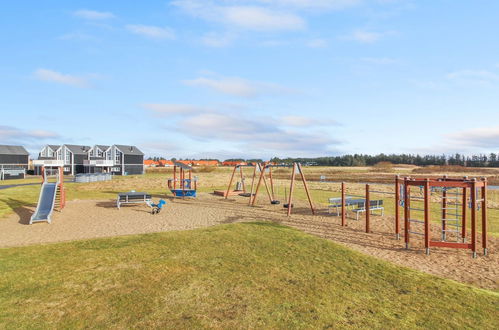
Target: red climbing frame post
(397, 207)
(343, 206)
(368, 209)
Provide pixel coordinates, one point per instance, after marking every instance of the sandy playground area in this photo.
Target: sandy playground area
(84, 219)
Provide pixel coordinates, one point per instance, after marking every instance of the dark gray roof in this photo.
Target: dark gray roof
(53, 146)
(102, 147)
(129, 150)
(13, 150)
(182, 165)
(78, 150)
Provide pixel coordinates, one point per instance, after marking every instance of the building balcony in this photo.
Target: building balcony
(48, 162)
(98, 162)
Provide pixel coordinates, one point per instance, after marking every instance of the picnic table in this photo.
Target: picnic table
(354, 204)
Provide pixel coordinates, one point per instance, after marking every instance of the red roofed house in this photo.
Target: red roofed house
(233, 163)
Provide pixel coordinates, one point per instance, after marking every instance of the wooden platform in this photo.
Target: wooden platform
(223, 193)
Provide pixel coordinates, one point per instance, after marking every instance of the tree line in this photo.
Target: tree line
(481, 160)
(491, 160)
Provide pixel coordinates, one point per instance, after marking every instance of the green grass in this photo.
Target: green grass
(230, 276)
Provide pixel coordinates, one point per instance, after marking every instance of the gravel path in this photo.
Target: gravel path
(86, 219)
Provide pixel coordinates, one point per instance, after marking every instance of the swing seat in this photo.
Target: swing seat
(245, 194)
(275, 202)
(286, 206)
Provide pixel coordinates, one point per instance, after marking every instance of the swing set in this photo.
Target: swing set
(271, 191)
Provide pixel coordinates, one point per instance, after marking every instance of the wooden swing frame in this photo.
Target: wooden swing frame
(270, 192)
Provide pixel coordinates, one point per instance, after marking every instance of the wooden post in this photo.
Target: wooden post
(444, 213)
(174, 177)
(397, 207)
(252, 183)
(464, 211)
(258, 184)
(291, 188)
(271, 184)
(343, 207)
(266, 185)
(473, 217)
(62, 192)
(242, 178)
(406, 212)
(484, 216)
(427, 216)
(230, 182)
(306, 188)
(368, 208)
(43, 174)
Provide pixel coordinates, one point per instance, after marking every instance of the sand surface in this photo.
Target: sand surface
(84, 219)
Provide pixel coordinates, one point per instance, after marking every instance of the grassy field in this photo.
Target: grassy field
(231, 276)
(155, 182)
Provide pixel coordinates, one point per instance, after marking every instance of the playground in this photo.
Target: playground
(95, 218)
(163, 249)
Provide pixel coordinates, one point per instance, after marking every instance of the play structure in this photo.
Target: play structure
(133, 197)
(270, 188)
(51, 194)
(455, 197)
(157, 207)
(415, 198)
(182, 184)
(240, 187)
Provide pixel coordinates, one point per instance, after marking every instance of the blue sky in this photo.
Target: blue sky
(261, 78)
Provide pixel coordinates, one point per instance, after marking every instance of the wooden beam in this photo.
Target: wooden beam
(306, 188)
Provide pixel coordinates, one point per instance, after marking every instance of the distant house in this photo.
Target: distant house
(69, 156)
(75, 159)
(126, 159)
(165, 163)
(14, 161)
(205, 163)
(233, 163)
(150, 163)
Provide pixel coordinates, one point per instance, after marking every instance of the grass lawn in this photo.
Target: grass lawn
(231, 276)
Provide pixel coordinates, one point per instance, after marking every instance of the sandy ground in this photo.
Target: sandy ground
(92, 219)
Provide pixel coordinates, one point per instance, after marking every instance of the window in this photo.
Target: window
(117, 157)
(67, 159)
(99, 153)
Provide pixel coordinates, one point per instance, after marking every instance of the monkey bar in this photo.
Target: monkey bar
(453, 210)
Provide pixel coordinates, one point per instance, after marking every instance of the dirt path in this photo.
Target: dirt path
(92, 219)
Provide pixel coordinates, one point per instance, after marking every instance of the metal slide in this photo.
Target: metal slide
(46, 202)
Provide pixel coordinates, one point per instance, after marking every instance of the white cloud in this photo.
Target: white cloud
(213, 39)
(237, 86)
(231, 86)
(314, 4)
(66, 79)
(162, 109)
(255, 18)
(302, 121)
(365, 37)
(93, 15)
(77, 36)
(152, 32)
(474, 76)
(14, 135)
(257, 133)
(484, 137)
(317, 43)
